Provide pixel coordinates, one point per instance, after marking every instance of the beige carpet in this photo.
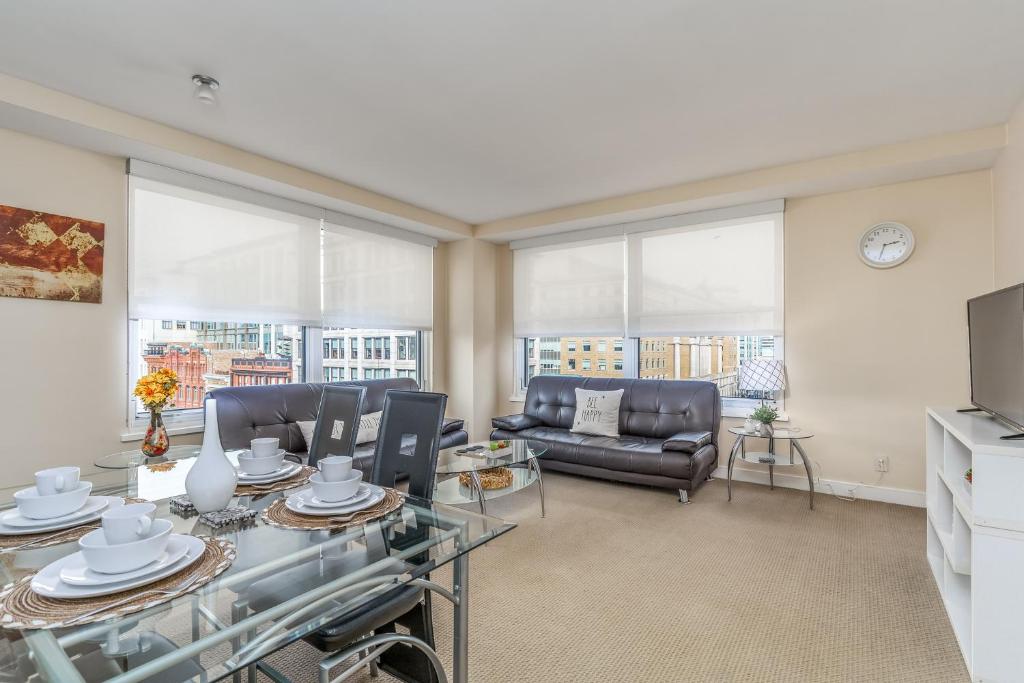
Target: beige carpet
(623, 583)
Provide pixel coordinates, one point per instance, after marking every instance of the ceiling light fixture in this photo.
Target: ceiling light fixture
(205, 87)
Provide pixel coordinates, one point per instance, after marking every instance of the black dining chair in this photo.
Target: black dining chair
(337, 422)
(407, 446)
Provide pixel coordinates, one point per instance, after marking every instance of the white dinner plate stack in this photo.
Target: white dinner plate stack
(287, 469)
(305, 502)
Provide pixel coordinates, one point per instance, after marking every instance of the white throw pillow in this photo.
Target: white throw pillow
(597, 412)
(369, 425)
(307, 427)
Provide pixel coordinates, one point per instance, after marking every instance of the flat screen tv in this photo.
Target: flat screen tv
(996, 330)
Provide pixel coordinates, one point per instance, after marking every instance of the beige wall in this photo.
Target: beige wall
(1008, 201)
(64, 392)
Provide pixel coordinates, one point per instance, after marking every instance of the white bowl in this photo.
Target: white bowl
(334, 491)
(250, 464)
(103, 557)
(35, 506)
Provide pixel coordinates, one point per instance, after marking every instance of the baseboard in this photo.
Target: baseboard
(882, 494)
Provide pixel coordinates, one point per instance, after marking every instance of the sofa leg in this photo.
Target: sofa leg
(684, 496)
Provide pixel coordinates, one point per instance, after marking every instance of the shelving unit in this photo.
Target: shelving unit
(975, 538)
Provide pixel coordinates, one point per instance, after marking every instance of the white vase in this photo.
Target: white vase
(210, 483)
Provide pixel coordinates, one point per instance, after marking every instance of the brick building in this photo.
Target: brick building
(190, 363)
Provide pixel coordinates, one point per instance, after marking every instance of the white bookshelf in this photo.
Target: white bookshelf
(975, 538)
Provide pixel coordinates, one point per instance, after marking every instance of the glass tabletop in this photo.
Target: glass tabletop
(129, 459)
(486, 455)
(778, 433)
(307, 578)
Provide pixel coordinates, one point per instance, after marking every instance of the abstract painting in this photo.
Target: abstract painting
(45, 256)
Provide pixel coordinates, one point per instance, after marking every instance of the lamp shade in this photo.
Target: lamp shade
(762, 374)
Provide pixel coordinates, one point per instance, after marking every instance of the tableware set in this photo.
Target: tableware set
(264, 463)
(59, 500)
(336, 490)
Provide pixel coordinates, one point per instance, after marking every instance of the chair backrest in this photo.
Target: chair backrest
(408, 441)
(337, 422)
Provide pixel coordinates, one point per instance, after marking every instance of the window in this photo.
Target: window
(572, 363)
(586, 364)
(602, 365)
(617, 365)
(571, 345)
(355, 348)
(377, 361)
(602, 345)
(586, 345)
(618, 346)
(167, 324)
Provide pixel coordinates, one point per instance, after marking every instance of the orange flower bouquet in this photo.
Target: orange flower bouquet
(156, 391)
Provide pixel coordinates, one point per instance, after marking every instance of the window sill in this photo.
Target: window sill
(517, 398)
(743, 413)
(134, 435)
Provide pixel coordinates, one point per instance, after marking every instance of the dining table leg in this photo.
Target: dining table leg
(460, 637)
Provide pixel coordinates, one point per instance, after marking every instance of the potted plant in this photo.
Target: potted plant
(968, 478)
(764, 415)
(156, 390)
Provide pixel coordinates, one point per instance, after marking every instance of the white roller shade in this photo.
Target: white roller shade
(199, 256)
(570, 289)
(376, 281)
(721, 278)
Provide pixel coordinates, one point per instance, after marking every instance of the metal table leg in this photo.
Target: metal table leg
(540, 482)
(475, 478)
(807, 466)
(771, 465)
(460, 636)
(732, 458)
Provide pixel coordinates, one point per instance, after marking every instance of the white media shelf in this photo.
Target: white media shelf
(976, 538)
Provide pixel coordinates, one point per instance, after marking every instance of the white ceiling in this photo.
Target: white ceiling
(484, 109)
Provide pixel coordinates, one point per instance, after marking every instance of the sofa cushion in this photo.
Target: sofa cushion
(452, 424)
(514, 423)
(687, 442)
(369, 426)
(597, 412)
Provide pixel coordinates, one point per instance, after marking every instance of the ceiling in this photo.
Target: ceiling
(485, 109)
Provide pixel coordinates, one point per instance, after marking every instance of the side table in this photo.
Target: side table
(794, 436)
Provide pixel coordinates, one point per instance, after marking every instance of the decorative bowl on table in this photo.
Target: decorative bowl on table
(497, 478)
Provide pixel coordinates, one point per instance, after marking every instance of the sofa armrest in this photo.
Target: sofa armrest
(514, 423)
(687, 442)
(452, 424)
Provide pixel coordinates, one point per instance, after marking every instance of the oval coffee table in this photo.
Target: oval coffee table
(770, 458)
(520, 456)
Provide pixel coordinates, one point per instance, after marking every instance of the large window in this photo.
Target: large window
(700, 296)
(377, 361)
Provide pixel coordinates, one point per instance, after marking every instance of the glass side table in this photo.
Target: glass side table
(518, 458)
(769, 457)
(126, 460)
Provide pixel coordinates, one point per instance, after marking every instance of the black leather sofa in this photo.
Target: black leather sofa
(245, 413)
(668, 430)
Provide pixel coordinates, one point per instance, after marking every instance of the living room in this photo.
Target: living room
(407, 200)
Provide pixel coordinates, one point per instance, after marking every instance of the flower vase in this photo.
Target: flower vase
(210, 483)
(156, 441)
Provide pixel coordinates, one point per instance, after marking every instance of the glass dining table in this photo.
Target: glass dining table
(211, 632)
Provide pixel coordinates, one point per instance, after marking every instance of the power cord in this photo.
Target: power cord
(852, 498)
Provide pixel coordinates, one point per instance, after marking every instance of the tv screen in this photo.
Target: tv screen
(996, 324)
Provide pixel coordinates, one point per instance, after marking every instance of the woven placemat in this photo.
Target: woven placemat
(280, 516)
(22, 608)
(49, 538)
(297, 479)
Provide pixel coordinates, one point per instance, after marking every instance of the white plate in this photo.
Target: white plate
(13, 524)
(362, 493)
(286, 470)
(48, 584)
(78, 573)
(299, 502)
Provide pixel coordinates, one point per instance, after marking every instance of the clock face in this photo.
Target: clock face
(886, 245)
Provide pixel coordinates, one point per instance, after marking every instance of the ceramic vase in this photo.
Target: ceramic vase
(210, 483)
(156, 442)
(764, 429)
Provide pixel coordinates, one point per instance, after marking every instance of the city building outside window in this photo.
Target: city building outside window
(602, 345)
(167, 324)
(571, 344)
(586, 363)
(586, 345)
(572, 363)
(618, 346)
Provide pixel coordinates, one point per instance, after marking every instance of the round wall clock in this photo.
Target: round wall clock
(886, 245)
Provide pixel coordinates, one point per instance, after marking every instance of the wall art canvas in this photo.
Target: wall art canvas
(46, 256)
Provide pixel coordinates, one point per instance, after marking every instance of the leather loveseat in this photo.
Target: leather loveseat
(668, 430)
(245, 413)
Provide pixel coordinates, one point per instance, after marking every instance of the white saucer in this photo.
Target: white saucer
(301, 502)
(13, 524)
(78, 573)
(361, 494)
(286, 470)
(48, 584)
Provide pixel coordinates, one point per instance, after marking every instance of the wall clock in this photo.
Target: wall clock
(886, 245)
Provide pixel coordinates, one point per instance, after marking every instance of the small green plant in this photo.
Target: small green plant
(765, 414)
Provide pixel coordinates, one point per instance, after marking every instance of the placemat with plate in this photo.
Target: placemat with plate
(22, 608)
(297, 479)
(280, 516)
(49, 538)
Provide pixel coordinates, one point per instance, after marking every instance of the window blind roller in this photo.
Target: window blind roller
(199, 256)
(575, 288)
(714, 279)
(375, 281)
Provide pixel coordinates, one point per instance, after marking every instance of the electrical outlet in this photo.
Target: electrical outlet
(882, 464)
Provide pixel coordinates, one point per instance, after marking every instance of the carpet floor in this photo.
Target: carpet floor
(624, 583)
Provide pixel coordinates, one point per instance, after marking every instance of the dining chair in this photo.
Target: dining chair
(407, 446)
(337, 422)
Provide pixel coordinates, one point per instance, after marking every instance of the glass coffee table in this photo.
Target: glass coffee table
(126, 460)
(475, 473)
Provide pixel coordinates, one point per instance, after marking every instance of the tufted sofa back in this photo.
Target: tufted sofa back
(654, 409)
(246, 413)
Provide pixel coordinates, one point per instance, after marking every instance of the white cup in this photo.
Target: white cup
(128, 523)
(57, 480)
(263, 447)
(335, 467)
